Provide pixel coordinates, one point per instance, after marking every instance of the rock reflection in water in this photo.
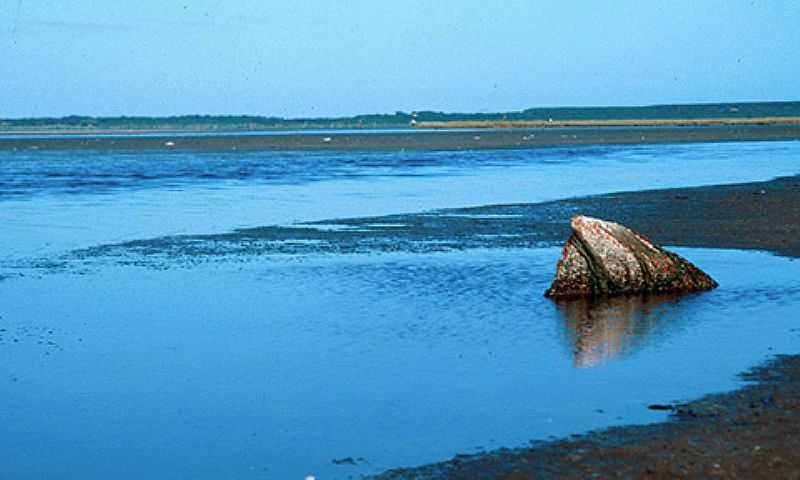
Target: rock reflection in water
(602, 329)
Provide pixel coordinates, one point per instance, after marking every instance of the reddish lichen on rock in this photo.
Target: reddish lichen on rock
(604, 258)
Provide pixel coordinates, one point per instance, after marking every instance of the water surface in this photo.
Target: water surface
(278, 366)
(53, 201)
(274, 369)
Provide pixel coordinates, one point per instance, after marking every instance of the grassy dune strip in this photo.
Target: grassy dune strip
(662, 122)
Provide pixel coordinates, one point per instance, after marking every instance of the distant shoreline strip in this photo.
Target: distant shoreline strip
(652, 122)
(411, 139)
(424, 125)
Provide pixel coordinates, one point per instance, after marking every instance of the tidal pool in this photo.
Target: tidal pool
(345, 365)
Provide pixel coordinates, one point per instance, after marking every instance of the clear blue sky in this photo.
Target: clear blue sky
(320, 58)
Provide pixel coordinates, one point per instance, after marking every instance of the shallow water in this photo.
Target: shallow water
(274, 369)
(52, 201)
(276, 366)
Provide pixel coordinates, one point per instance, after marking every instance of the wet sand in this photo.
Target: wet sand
(753, 432)
(761, 215)
(749, 433)
(409, 140)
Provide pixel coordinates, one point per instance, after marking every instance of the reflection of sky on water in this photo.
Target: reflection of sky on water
(53, 201)
(225, 370)
(275, 367)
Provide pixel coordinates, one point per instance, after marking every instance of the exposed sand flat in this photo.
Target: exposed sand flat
(456, 139)
(736, 216)
(643, 122)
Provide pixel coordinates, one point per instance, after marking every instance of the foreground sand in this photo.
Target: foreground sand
(750, 433)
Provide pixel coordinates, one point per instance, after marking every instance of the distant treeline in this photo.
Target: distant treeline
(404, 119)
(206, 122)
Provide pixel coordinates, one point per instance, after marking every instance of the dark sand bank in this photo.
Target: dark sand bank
(409, 140)
(753, 432)
(763, 215)
(749, 433)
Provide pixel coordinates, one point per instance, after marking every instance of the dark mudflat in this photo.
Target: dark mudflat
(764, 216)
(410, 140)
(753, 432)
(750, 433)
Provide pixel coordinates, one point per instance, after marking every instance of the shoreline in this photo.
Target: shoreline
(750, 432)
(56, 130)
(629, 122)
(715, 435)
(413, 139)
(758, 215)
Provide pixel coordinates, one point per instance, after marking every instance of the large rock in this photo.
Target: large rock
(604, 258)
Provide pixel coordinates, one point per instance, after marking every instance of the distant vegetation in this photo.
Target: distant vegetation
(205, 122)
(639, 122)
(403, 119)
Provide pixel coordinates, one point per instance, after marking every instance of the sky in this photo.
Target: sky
(334, 58)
